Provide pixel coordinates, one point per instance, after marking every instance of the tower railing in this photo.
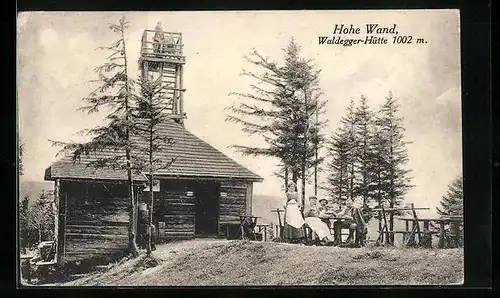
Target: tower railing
(162, 56)
(162, 45)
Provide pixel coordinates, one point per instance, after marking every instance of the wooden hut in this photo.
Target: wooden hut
(201, 193)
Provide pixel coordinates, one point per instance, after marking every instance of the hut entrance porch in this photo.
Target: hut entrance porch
(206, 195)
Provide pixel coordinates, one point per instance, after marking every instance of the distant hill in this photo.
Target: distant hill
(33, 189)
(262, 205)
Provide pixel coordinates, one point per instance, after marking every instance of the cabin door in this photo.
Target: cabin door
(207, 209)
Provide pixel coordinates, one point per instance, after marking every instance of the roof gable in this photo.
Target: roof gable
(193, 158)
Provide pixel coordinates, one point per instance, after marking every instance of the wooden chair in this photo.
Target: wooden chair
(248, 224)
(279, 227)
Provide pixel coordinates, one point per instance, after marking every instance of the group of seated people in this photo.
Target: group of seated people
(316, 218)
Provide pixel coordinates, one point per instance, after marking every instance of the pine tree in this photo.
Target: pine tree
(339, 177)
(395, 157)
(23, 223)
(364, 150)
(150, 113)
(286, 99)
(114, 94)
(41, 216)
(452, 202)
(303, 77)
(347, 131)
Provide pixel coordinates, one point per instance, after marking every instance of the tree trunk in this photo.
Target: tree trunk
(316, 158)
(150, 220)
(132, 226)
(132, 245)
(341, 181)
(316, 177)
(379, 200)
(391, 223)
(286, 177)
(380, 227)
(295, 176)
(151, 192)
(304, 153)
(392, 195)
(365, 188)
(303, 190)
(351, 186)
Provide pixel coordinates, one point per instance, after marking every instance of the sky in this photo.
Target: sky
(57, 56)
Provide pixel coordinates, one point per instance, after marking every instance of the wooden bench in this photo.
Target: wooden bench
(45, 268)
(46, 263)
(385, 229)
(26, 267)
(444, 237)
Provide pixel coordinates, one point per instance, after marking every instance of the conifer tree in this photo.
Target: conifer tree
(23, 223)
(150, 113)
(41, 216)
(347, 131)
(364, 150)
(114, 94)
(452, 202)
(283, 105)
(394, 155)
(339, 179)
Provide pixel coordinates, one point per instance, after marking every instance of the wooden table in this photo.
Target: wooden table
(426, 241)
(384, 229)
(242, 218)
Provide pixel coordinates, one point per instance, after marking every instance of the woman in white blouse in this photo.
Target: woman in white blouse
(294, 222)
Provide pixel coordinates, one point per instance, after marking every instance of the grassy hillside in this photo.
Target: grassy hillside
(219, 262)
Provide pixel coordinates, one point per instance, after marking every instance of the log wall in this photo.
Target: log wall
(174, 208)
(93, 216)
(95, 221)
(232, 204)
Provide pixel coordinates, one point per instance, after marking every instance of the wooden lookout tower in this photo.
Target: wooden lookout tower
(162, 58)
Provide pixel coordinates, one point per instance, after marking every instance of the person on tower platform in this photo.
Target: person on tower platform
(159, 42)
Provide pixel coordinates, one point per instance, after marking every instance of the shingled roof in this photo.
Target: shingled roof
(194, 158)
